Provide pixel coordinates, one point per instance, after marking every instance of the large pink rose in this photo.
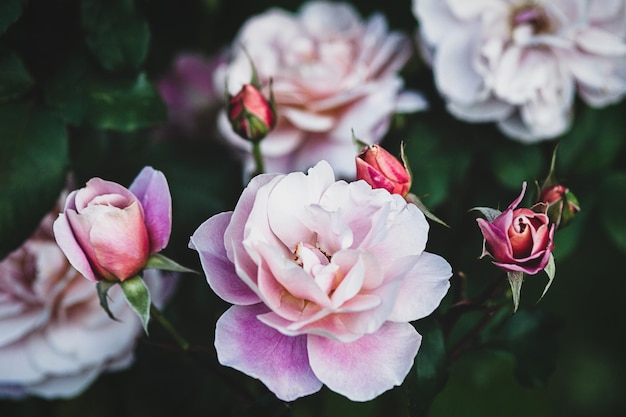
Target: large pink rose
(108, 232)
(55, 339)
(520, 63)
(332, 73)
(519, 239)
(325, 276)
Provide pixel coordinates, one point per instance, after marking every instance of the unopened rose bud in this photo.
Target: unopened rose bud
(562, 204)
(107, 231)
(251, 115)
(380, 169)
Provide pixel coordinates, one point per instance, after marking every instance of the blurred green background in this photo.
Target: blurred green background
(456, 166)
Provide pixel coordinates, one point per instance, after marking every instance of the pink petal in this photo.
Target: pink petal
(422, 288)
(65, 386)
(367, 367)
(600, 42)
(153, 192)
(220, 272)
(66, 240)
(97, 187)
(280, 362)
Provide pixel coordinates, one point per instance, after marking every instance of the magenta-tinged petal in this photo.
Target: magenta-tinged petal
(280, 362)
(497, 242)
(369, 366)
(220, 272)
(422, 288)
(67, 242)
(153, 192)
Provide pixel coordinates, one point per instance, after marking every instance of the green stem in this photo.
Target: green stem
(158, 316)
(258, 158)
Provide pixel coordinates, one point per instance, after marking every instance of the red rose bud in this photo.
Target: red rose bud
(250, 114)
(562, 204)
(380, 169)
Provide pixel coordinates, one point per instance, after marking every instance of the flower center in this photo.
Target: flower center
(531, 15)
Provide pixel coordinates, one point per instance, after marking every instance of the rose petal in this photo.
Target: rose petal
(152, 190)
(250, 346)
(220, 272)
(66, 240)
(369, 366)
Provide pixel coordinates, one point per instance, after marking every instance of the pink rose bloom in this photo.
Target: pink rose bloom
(55, 339)
(520, 63)
(332, 72)
(519, 239)
(325, 277)
(193, 89)
(108, 232)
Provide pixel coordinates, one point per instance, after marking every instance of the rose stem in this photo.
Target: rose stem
(158, 316)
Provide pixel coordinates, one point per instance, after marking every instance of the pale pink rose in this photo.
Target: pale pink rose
(193, 90)
(325, 276)
(55, 338)
(108, 232)
(332, 73)
(520, 63)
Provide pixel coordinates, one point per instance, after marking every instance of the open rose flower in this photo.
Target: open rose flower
(520, 62)
(55, 339)
(332, 72)
(325, 277)
(519, 239)
(108, 232)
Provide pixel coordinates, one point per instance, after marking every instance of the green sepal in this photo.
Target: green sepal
(489, 213)
(412, 198)
(103, 288)
(138, 297)
(158, 261)
(550, 270)
(515, 280)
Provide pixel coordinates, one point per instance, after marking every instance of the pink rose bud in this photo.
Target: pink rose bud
(380, 169)
(562, 204)
(519, 239)
(251, 115)
(107, 232)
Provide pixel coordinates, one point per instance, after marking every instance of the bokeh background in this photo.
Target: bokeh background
(456, 166)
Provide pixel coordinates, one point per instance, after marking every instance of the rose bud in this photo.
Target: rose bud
(519, 239)
(562, 204)
(107, 232)
(380, 169)
(251, 115)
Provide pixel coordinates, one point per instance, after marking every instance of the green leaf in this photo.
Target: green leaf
(516, 279)
(138, 297)
(116, 33)
(594, 141)
(412, 198)
(10, 11)
(531, 336)
(84, 95)
(158, 261)
(14, 78)
(431, 369)
(33, 165)
(103, 288)
(550, 270)
(513, 163)
(613, 207)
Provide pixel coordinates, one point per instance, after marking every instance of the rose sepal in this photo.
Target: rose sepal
(158, 261)
(138, 298)
(550, 270)
(413, 199)
(516, 279)
(103, 287)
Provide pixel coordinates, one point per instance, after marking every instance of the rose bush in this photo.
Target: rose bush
(325, 276)
(55, 339)
(332, 72)
(108, 232)
(519, 239)
(520, 63)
